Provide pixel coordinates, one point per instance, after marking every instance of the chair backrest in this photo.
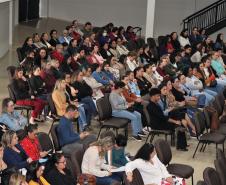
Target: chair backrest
(104, 108)
(51, 104)
(207, 118)
(45, 141)
(199, 122)
(19, 54)
(201, 183)
(76, 159)
(53, 133)
(221, 170)
(11, 71)
(11, 93)
(221, 156)
(137, 178)
(163, 151)
(108, 133)
(211, 177)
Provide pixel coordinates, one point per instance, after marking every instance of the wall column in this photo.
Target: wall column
(150, 17)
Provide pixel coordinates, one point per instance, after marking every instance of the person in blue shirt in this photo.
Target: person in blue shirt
(133, 84)
(106, 71)
(10, 117)
(68, 139)
(100, 76)
(14, 155)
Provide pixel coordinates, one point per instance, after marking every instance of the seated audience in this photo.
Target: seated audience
(121, 109)
(72, 48)
(149, 75)
(5, 172)
(31, 144)
(131, 62)
(105, 52)
(36, 41)
(10, 117)
(95, 57)
(57, 54)
(113, 49)
(116, 156)
(27, 46)
(48, 77)
(161, 122)
(68, 139)
(100, 77)
(93, 163)
(122, 50)
(87, 29)
(65, 37)
(133, 84)
(59, 174)
(35, 175)
(143, 84)
(17, 179)
(23, 96)
(45, 40)
(152, 170)
(14, 155)
(42, 57)
(37, 84)
(54, 38)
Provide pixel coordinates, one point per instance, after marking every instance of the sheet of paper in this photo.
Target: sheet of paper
(120, 169)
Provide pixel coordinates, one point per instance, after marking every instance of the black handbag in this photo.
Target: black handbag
(131, 109)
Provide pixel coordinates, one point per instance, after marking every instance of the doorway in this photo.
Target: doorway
(28, 10)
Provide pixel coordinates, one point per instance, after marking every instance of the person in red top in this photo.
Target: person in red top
(58, 53)
(31, 144)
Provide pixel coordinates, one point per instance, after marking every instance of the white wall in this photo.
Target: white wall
(101, 12)
(170, 14)
(4, 28)
(43, 11)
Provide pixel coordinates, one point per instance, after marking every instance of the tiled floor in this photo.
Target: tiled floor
(201, 160)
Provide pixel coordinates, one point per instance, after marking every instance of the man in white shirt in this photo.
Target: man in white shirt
(131, 61)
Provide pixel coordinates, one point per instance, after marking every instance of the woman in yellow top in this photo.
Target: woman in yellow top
(34, 175)
(61, 99)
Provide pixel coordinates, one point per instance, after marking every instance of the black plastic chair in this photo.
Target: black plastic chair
(45, 141)
(164, 154)
(211, 177)
(28, 109)
(205, 138)
(201, 183)
(221, 170)
(19, 54)
(105, 117)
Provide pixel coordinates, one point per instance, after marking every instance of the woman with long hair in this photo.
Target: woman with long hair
(93, 162)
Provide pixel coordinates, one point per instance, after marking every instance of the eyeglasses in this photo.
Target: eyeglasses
(62, 161)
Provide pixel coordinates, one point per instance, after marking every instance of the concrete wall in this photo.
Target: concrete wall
(4, 28)
(101, 12)
(170, 14)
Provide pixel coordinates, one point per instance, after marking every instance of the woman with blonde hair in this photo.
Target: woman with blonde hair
(61, 100)
(17, 179)
(93, 162)
(14, 155)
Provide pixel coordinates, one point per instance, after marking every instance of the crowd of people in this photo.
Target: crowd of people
(152, 90)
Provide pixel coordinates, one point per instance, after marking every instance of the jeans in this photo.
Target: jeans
(209, 98)
(82, 117)
(90, 108)
(135, 118)
(211, 92)
(201, 99)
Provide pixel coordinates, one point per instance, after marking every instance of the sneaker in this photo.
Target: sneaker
(49, 118)
(87, 129)
(137, 138)
(141, 134)
(146, 130)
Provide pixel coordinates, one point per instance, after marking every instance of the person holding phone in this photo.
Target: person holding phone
(31, 144)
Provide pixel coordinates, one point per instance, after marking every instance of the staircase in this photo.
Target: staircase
(212, 18)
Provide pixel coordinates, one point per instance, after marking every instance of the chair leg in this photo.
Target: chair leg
(147, 137)
(192, 180)
(152, 138)
(173, 139)
(126, 132)
(116, 131)
(51, 126)
(196, 150)
(202, 147)
(99, 133)
(223, 146)
(165, 137)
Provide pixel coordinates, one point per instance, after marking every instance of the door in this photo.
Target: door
(28, 10)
